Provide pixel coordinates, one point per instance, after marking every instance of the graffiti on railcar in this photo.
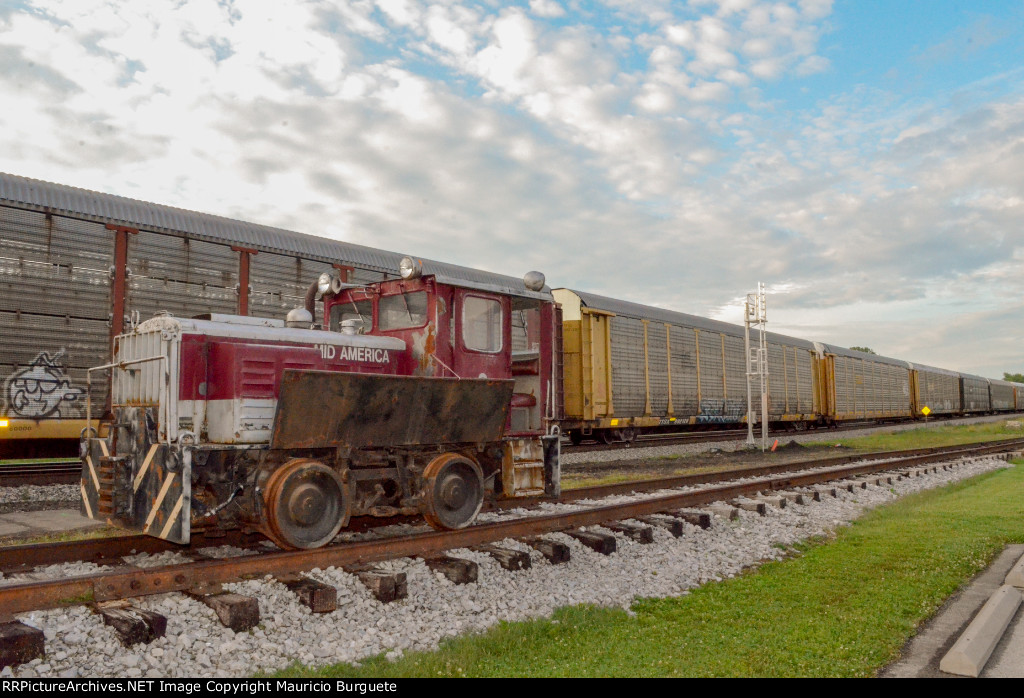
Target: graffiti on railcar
(718, 411)
(41, 389)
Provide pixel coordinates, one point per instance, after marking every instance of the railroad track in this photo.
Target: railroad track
(203, 576)
(58, 471)
(649, 440)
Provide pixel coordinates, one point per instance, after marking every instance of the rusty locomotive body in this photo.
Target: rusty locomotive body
(420, 395)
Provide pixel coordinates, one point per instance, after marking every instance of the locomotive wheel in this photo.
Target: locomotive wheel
(453, 491)
(306, 504)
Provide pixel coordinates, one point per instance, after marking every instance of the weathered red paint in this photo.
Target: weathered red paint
(243, 277)
(234, 368)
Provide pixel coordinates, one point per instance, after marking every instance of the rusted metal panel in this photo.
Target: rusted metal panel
(146, 490)
(324, 409)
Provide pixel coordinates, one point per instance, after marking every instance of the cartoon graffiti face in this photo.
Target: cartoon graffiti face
(39, 390)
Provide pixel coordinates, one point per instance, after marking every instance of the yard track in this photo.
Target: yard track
(121, 581)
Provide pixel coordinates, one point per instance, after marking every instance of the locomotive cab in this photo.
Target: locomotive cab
(420, 396)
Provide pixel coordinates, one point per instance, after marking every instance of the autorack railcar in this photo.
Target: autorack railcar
(861, 386)
(935, 388)
(630, 368)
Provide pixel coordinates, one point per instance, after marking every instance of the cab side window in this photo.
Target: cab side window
(481, 324)
(403, 310)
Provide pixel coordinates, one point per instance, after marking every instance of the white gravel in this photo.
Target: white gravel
(25, 497)
(78, 644)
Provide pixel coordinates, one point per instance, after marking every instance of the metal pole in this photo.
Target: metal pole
(746, 354)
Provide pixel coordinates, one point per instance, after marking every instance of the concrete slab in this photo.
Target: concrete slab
(17, 526)
(968, 655)
(922, 653)
(1007, 661)
(1015, 577)
(11, 529)
(51, 520)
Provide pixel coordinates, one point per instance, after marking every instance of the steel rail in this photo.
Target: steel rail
(675, 439)
(133, 582)
(20, 557)
(61, 472)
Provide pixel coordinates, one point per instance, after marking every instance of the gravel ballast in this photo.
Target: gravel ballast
(78, 644)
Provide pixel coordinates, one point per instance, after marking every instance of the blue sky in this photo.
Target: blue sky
(864, 159)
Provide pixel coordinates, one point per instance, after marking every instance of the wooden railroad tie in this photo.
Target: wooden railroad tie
(19, 643)
(772, 500)
(603, 543)
(673, 526)
(456, 569)
(385, 586)
(510, 559)
(553, 551)
(750, 505)
(726, 511)
(694, 517)
(132, 625)
(240, 613)
(641, 534)
(313, 594)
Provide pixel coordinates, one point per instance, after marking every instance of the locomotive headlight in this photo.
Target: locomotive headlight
(534, 281)
(410, 268)
(323, 284)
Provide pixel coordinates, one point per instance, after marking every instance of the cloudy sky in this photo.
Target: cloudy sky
(865, 159)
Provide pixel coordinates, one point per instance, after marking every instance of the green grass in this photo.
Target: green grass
(926, 437)
(841, 607)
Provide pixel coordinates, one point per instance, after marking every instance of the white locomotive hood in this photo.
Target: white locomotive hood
(267, 330)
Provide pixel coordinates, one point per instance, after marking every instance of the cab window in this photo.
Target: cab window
(402, 311)
(358, 310)
(481, 324)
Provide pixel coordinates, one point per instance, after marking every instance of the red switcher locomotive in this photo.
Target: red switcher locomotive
(421, 395)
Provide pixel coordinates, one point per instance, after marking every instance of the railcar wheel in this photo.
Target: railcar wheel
(605, 436)
(306, 504)
(576, 437)
(453, 492)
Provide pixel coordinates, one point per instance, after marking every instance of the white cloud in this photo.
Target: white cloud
(489, 136)
(546, 8)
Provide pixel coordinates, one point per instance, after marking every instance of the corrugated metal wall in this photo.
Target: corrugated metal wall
(790, 382)
(185, 277)
(54, 312)
(279, 284)
(868, 389)
(628, 384)
(712, 389)
(684, 371)
(657, 358)
(1002, 396)
(940, 392)
(975, 394)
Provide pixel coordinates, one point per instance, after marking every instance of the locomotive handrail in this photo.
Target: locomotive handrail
(121, 365)
(433, 357)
